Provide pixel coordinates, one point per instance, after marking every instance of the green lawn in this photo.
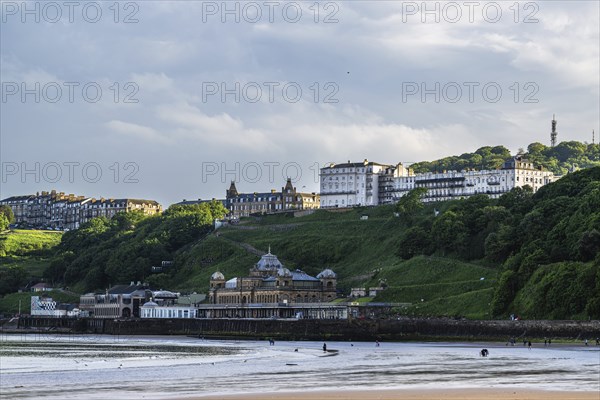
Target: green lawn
(20, 242)
(26, 250)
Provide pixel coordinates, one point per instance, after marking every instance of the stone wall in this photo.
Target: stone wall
(358, 330)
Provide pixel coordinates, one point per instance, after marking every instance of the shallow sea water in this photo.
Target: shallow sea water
(111, 367)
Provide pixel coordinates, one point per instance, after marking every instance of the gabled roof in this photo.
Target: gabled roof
(41, 285)
(17, 198)
(125, 289)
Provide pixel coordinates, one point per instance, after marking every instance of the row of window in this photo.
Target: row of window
(337, 185)
(343, 170)
(168, 313)
(337, 178)
(107, 311)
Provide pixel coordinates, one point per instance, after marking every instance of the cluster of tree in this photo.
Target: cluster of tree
(484, 158)
(562, 158)
(6, 217)
(565, 156)
(12, 278)
(125, 248)
(547, 243)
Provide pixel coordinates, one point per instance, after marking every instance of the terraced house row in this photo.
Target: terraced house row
(60, 211)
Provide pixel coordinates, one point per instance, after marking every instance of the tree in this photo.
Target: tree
(498, 244)
(8, 213)
(126, 221)
(518, 200)
(536, 148)
(11, 278)
(3, 222)
(589, 245)
(449, 232)
(415, 241)
(410, 203)
(505, 292)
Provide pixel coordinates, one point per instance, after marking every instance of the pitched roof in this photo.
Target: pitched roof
(125, 289)
(356, 165)
(41, 285)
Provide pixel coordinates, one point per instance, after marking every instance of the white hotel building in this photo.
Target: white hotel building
(351, 184)
(369, 183)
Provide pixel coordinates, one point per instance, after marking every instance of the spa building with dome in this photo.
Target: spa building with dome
(269, 281)
(272, 290)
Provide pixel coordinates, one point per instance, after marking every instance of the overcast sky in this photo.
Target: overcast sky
(192, 99)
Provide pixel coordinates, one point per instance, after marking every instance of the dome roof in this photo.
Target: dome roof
(327, 273)
(299, 275)
(284, 272)
(268, 262)
(217, 276)
(150, 304)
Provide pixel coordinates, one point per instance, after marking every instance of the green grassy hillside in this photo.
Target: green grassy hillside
(24, 256)
(20, 242)
(362, 253)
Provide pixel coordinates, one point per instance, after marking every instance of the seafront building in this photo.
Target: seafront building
(270, 282)
(269, 291)
(370, 183)
(120, 301)
(45, 306)
(60, 211)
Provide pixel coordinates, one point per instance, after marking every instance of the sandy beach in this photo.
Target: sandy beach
(426, 394)
(183, 368)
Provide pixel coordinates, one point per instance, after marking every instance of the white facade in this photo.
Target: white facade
(494, 183)
(369, 184)
(351, 184)
(46, 307)
(153, 310)
(525, 173)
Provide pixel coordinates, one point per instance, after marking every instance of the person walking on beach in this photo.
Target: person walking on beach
(325, 347)
(597, 341)
(529, 344)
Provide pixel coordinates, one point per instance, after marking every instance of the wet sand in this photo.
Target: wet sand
(425, 394)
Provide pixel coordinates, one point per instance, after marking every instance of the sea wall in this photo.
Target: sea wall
(358, 330)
